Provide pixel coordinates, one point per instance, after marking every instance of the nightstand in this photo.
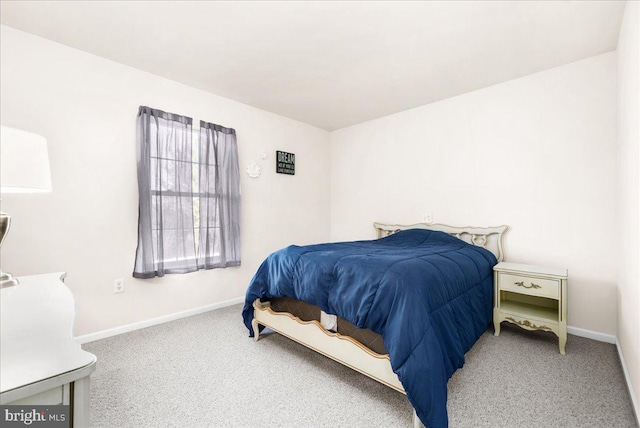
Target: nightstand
(532, 297)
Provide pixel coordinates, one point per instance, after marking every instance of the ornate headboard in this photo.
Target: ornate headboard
(485, 237)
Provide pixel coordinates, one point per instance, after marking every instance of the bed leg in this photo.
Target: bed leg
(256, 329)
(416, 421)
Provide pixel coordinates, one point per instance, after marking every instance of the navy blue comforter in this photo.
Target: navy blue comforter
(427, 293)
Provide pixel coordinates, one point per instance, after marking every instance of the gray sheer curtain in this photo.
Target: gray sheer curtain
(166, 241)
(219, 240)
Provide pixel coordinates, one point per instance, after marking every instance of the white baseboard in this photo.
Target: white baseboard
(86, 338)
(627, 378)
(600, 337)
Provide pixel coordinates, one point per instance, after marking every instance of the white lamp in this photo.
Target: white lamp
(24, 168)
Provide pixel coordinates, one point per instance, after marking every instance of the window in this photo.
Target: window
(189, 190)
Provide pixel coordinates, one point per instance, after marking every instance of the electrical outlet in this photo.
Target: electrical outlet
(428, 218)
(118, 285)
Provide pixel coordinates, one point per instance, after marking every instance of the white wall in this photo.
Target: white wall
(536, 153)
(86, 107)
(629, 193)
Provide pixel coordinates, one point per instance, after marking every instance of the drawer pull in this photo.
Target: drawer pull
(521, 284)
(529, 324)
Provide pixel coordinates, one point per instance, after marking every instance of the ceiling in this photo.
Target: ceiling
(329, 64)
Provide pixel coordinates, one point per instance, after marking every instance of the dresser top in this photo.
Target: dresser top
(531, 269)
(36, 332)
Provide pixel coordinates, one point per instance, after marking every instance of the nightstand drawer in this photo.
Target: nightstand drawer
(528, 285)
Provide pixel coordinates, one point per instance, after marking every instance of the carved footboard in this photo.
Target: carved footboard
(338, 347)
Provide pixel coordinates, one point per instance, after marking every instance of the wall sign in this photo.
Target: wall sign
(285, 163)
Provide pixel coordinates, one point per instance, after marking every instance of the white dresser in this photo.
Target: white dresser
(40, 362)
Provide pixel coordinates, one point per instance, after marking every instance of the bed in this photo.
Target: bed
(402, 309)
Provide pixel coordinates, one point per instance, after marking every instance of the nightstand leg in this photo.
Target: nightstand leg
(562, 340)
(496, 322)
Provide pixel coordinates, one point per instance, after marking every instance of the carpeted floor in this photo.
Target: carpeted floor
(204, 371)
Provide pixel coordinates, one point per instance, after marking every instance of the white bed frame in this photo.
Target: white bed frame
(346, 350)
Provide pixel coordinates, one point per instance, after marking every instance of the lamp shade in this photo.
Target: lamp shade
(24, 162)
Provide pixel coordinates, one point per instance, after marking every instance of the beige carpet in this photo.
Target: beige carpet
(204, 371)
